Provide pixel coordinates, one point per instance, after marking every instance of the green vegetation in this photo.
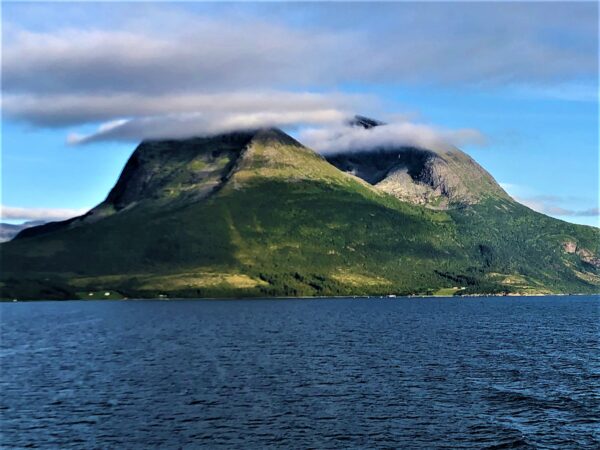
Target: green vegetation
(294, 225)
(447, 292)
(524, 250)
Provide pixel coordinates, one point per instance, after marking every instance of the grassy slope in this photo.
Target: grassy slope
(524, 249)
(292, 238)
(309, 239)
(287, 223)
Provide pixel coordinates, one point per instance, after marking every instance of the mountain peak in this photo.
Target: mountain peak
(275, 136)
(439, 178)
(364, 122)
(195, 167)
(255, 213)
(173, 173)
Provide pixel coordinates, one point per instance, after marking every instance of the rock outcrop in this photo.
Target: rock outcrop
(584, 254)
(425, 177)
(438, 178)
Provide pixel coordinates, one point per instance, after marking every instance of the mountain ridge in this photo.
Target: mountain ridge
(258, 214)
(442, 178)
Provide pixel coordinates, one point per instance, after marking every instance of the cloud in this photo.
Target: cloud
(181, 50)
(551, 205)
(180, 126)
(137, 116)
(151, 71)
(354, 138)
(45, 214)
(203, 54)
(331, 135)
(59, 110)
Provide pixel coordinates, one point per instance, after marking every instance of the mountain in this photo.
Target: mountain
(442, 178)
(256, 213)
(10, 230)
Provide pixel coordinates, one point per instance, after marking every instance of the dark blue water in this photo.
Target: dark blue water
(412, 373)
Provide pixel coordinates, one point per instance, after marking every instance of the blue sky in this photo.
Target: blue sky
(515, 84)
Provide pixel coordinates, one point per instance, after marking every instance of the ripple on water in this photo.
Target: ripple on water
(415, 373)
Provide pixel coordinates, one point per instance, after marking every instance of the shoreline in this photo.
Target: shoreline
(332, 297)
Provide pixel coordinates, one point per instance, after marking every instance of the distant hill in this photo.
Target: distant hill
(256, 213)
(9, 230)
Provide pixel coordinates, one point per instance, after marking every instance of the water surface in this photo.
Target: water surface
(339, 373)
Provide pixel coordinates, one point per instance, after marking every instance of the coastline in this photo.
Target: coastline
(324, 297)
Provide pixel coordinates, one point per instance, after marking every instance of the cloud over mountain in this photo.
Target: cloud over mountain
(345, 138)
(176, 51)
(178, 126)
(208, 66)
(60, 110)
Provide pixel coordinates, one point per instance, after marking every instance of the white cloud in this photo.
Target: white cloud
(226, 112)
(58, 110)
(551, 206)
(325, 131)
(169, 49)
(509, 187)
(203, 54)
(45, 214)
(169, 71)
(354, 138)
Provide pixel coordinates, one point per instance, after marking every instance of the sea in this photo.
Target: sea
(413, 373)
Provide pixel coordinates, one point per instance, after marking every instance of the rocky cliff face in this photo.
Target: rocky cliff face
(171, 170)
(437, 178)
(165, 173)
(584, 254)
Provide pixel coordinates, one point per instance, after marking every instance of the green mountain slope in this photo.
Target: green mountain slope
(258, 214)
